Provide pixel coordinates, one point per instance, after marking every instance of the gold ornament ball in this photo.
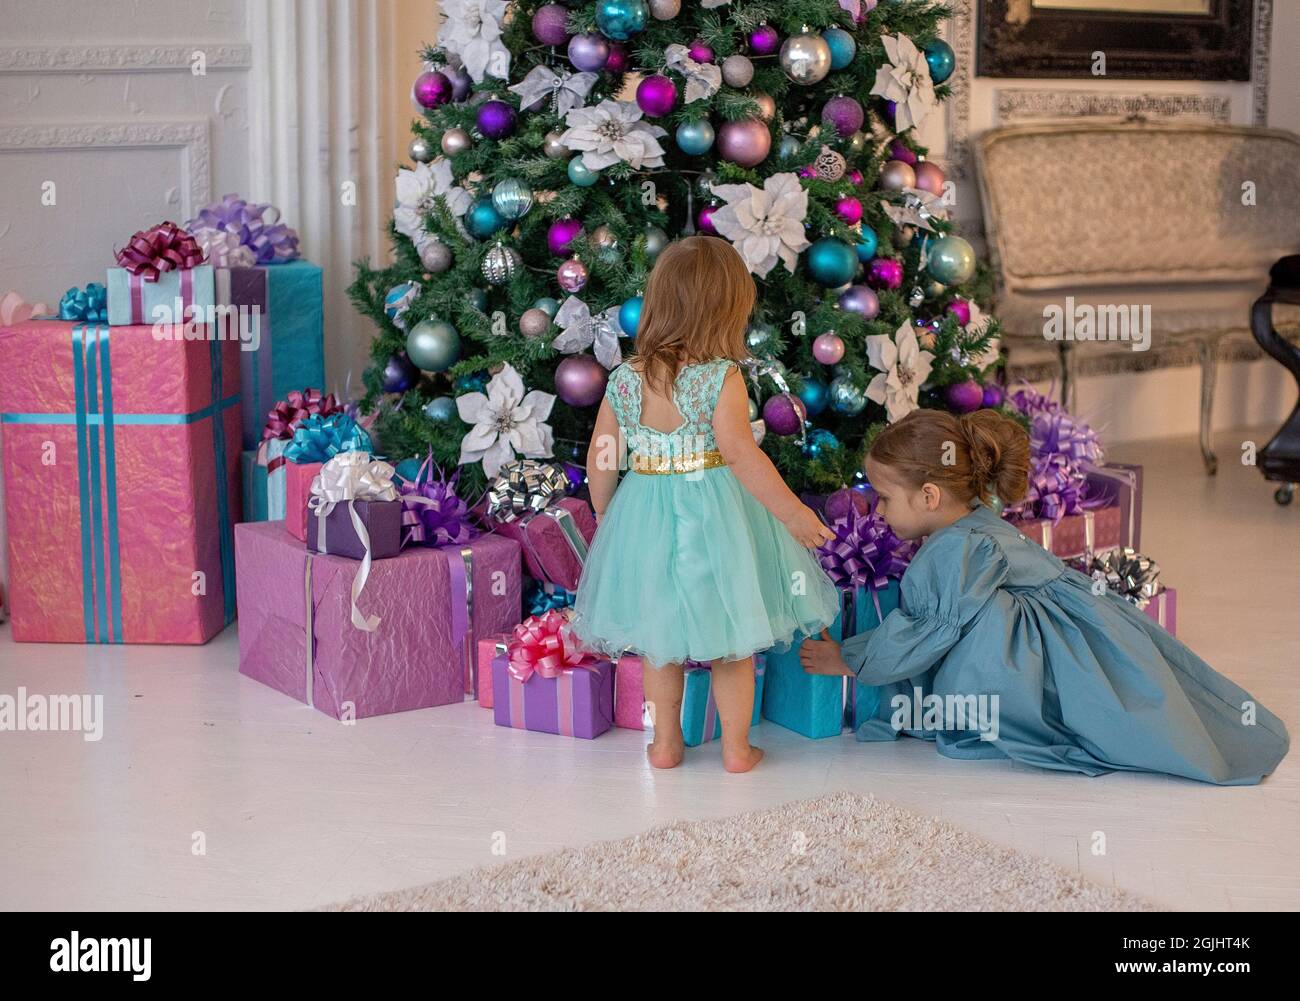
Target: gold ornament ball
(455, 141)
(665, 10)
(896, 175)
(553, 148)
(766, 106)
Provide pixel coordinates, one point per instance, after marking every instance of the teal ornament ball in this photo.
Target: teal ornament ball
(818, 441)
(655, 241)
(846, 398)
(547, 305)
(832, 262)
(629, 315)
(759, 337)
(868, 242)
(398, 301)
(695, 138)
(482, 219)
(843, 47)
(788, 148)
(621, 19)
(475, 382)
(951, 260)
(433, 345)
(941, 59)
(512, 198)
(814, 394)
(478, 299)
(441, 409)
(582, 175)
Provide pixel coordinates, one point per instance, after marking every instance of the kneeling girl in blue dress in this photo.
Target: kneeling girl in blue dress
(1081, 681)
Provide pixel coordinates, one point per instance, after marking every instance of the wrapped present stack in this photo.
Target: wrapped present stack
(1135, 578)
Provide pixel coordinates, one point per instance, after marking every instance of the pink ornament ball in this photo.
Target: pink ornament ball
(617, 61)
(561, 234)
(885, 272)
(929, 177)
(580, 380)
(828, 348)
(899, 151)
(656, 95)
(861, 300)
(784, 414)
(746, 142)
(855, 176)
(960, 308)
(764, 40)
(849, 210)
(807, 172)
(964, 397)
(700, 52)
(704, 220)
(896, 175)
(549, 24)
(432, 89)
(844, 114)
(572, 275)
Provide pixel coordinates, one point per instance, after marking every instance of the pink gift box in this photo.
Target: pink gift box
(121, 470)
(629, 695)
(488, 649)
(297, 492)
(554, 540)
(1164, 609)
(426, 638)
(1076, 534)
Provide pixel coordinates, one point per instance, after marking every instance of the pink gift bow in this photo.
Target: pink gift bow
(165, 247)
(538, 646)
(14, 309)
(353, 476)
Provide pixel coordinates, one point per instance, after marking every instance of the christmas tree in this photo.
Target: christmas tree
(562, 146)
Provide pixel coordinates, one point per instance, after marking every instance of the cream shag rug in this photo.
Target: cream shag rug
(841, 852)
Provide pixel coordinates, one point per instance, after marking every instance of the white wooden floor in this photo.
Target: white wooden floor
(296, 810)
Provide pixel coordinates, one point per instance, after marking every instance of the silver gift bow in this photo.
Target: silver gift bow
(702, 79)
(581, 329)
(566, 91)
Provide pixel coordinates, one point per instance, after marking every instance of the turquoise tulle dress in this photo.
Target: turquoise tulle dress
(686, 563)
(1085, 682)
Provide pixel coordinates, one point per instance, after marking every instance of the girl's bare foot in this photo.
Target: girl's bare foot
(666, 753)
(741, 761)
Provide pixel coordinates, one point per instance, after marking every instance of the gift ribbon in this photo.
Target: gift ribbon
(460, 570)
(572, 535)
(269, 240)
(88, 305)
(165, 247)
(445, 519)
(348, 478)
(97, 475)
(319, 439)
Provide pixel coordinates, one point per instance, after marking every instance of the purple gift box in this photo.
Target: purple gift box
(1163, 608)
(295, 620)
(1120, 484)
(575, 703)
(336, 534)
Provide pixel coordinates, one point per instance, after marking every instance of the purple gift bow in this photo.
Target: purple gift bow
(414, 523)
(270, 240)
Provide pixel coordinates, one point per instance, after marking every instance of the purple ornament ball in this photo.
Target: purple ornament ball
(993, 395)
(580, 380)
(861, 300)
(764, 40)
(461, 83)
(885, 272)
(618, 58)
(588, 52)
(899, 151)
(549, 24)
(960, 308)
(656, 95)
(700, 52)
(964, 397)
(572, 276)
(844, 500)
(399, 374)
(561, 234)
(704, 220)
(855, 176)
(432, 89)
(784, 413)
(496, 119)
(891, 110)
(746, 142)
(844, 114)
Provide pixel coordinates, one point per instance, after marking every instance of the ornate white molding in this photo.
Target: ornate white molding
(189, 136)
(1259, 61)
(1028, 104)
(123, 58)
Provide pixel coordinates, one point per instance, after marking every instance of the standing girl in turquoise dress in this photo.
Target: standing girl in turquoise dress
(1084, 681)
(701, 552)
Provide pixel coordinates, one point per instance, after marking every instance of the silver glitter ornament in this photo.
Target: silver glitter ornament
(420, 151)
(737, 70)
(455, 141)
(655, 241)
(500, 264)
(665, 10)
(435, 256)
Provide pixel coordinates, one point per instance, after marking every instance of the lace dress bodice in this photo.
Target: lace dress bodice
(695, 394)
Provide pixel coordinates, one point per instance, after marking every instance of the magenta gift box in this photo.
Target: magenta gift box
(1076, 534)
(1164, 609)
(575, 703)
(297, 492)
(121, 459)
(419, 653)
(554, 540)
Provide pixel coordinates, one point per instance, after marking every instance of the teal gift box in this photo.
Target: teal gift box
(700, 720)
(132, 301)
(821, 705)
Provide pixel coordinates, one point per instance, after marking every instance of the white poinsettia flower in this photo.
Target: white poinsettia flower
(905, 80)
(418, 189)
(610, 132)
(702, 79)
(506, 422)
(764, 224)
(901, 366)
(713, 3)
(472, 30)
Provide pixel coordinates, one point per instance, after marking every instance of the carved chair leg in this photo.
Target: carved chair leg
(1209, 366)
(1069, 375)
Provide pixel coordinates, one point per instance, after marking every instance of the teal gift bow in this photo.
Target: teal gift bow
(88, 305)
(319, 439)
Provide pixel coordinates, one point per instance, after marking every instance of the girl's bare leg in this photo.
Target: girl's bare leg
(733, 691)
(663, 690)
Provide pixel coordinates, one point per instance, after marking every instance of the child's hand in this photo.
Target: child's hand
(808, 529)
(823, 656)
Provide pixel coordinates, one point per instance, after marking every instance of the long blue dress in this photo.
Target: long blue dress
(688, 564)
(1085, 682)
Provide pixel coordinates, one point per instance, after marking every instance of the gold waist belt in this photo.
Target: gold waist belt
(688, 462)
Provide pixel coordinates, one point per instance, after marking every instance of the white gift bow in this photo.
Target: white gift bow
(353, 476)
(569, 90)
(582, 329)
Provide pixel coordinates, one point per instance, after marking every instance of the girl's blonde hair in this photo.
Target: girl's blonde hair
(969, 456)
(696, 307)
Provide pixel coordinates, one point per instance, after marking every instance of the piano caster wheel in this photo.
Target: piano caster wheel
(1284, 493)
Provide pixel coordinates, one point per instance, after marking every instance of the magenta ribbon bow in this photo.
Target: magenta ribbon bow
(165, 247)
(541, 645)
